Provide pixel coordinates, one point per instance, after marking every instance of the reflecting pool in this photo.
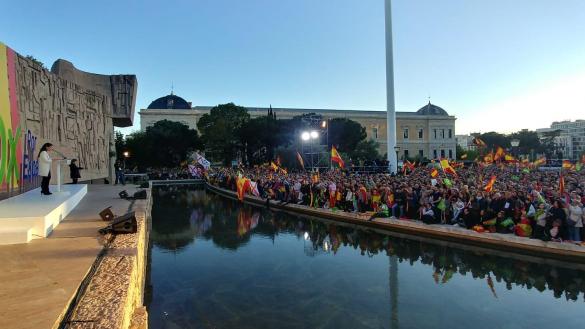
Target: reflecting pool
(217, 264)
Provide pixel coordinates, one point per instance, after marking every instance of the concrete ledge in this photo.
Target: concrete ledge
(501, 242)
(114, 295)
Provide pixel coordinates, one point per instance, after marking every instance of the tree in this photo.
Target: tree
(365, 150)
(120, 144)
(221, 131)
(346, 134)
(165, 144)
(529, 141)
(36, 61)
(493, 140)
(260, 136)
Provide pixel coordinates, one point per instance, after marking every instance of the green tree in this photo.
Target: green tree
(221, 131)
(260, 136)
(120, 144)
(346, 134)
(529, 142)
(493, 139)
(165, 144)
(365, 150)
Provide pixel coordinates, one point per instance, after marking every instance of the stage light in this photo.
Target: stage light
(314, 134)
(324, 124)
(305, 136)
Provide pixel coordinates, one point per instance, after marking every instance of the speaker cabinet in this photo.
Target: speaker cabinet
(107, 214)
(122, 225)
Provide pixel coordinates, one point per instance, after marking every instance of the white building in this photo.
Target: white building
(571, 139)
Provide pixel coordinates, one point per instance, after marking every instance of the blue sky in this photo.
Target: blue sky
(497, 65)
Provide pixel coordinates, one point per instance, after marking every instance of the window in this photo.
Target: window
(421, 153)
(450, 133)
(434, 154)
(442, 153)
(450, 154)
(405, 133)
(375, 133)
(420, 133)
(435, 131)
(443, 133)
(406, 154)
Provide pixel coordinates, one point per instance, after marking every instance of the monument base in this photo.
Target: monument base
(32, 215)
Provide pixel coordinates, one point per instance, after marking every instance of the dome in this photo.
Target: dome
(170, 102)
(431, 109)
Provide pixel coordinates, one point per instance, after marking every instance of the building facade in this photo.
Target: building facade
(428, 132)
(571, 139)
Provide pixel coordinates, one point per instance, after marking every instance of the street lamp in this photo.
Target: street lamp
(396, 149)
(515, 143)
(126, 155)
(309, 136)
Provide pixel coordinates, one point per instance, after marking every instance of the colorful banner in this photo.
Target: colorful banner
(10, 131)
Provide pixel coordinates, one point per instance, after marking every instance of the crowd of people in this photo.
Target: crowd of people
(527, 202)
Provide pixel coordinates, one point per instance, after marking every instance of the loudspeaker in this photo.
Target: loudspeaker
(140, 194)
(123, 194)
(123, 224)
(107, 214)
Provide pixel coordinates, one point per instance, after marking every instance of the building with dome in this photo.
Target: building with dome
(428, 132)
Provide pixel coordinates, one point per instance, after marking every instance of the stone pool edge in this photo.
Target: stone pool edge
(503, 242)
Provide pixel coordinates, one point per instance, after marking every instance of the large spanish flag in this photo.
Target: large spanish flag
(499, 153)
(335, 157)
(490, 184)
(567, 164)
(447, 167)
(243, 186)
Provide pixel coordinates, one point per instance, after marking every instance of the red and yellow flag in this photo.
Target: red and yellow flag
(335, 157)
(489, 158)
(509, 158)
(447, 167)
(243, 186)
(567, 164)
(561, 184)
(478, 142)
(434, 173)
(490, 184)
(540, 161)
(273, 166)
(499, 153)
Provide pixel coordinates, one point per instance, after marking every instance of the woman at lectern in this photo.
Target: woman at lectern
(45, 167)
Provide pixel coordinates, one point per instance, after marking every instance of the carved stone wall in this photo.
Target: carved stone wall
(74, 110)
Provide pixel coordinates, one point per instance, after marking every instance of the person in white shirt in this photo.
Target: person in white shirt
(45, 167)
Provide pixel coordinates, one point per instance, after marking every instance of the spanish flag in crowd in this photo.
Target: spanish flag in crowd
(509, 158)
(407, 165)
(434, 173)
(301, 162)
(490, 185)
(478, 142)
(335, 157)
(489, 158)
(447, 167)
(273, 166)
(561, 184)
(499, 153)
(540, 161)
(567, 164)
(243, 186)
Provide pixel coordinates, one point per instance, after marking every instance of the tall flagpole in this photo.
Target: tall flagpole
(391, 111)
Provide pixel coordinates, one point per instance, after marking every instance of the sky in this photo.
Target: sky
(496, 65)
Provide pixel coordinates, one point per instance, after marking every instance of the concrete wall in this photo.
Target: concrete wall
(74, 110)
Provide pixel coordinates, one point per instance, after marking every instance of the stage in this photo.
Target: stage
(31, 215)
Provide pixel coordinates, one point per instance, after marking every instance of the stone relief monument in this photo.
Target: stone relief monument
(74, 110)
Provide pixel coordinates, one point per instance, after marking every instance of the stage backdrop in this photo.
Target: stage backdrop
(74, 110)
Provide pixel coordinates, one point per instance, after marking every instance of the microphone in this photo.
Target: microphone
(60, 154)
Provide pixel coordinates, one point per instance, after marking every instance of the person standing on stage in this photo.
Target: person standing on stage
(45, 162)
(74, 171)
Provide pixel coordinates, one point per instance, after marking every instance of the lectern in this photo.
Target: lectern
(59, 165)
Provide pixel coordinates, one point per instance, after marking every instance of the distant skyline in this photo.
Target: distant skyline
(496, 65)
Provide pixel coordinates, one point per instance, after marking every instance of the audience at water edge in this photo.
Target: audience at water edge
(504, 199)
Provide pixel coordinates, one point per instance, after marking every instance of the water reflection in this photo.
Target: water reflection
(192, 214)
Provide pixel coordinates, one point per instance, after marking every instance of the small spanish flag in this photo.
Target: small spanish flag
(540, 161)
(273, 166)
(509, 158)
(490, 184)
(243, 186)
(561, 185)
(499, 153)
(489, 158)
(447, 167)
(335, 157)
(434, 173)
(567, 164)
